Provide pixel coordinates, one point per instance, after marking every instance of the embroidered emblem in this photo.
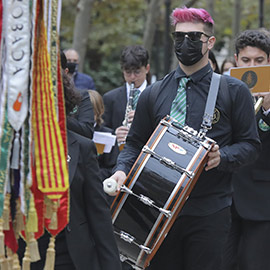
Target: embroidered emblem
(216, 116)
(75, 110)
(263, 126)
(177, 149)
(250, 78)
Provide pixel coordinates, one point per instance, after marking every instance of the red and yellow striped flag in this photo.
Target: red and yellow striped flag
(50, 152)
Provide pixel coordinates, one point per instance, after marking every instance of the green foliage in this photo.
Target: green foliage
(114, 25)
(107, 74)
(118, 23)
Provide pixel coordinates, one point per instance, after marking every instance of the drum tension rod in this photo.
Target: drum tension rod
(131, 239)
(167, 162)
(146, 201)
(126, 259)
(189, 134)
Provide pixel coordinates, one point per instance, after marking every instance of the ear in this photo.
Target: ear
(147, 68)
(236, 59)
(211, 42)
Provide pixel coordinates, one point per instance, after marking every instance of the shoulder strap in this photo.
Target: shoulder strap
(210, 103)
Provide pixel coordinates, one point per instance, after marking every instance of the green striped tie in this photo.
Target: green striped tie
(135, 98)
(178, 109)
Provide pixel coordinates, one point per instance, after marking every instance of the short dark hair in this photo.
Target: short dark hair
(253, 38)
(134, 57)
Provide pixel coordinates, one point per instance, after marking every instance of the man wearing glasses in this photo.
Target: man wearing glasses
(198, 235)
(135, 67)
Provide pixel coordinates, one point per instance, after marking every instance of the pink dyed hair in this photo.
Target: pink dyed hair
(196, 15)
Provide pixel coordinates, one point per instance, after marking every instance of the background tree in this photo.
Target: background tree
(236, 23)
(153, 13)
(112, 25)
(81, 29)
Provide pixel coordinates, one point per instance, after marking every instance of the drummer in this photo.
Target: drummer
(198, 235)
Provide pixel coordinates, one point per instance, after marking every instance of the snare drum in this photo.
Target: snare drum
(156, 189)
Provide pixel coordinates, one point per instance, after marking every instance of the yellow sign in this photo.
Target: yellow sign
(257, 78)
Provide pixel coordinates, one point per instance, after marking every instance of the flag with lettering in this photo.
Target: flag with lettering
(18, 60)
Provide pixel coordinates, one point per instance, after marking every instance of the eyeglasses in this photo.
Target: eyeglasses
(193, 36)
(129, 72)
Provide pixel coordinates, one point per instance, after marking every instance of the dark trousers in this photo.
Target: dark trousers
(248, 245)
(194, 243)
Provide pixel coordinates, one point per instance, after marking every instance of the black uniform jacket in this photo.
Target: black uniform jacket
(234, 130)
(88, 240)
(82, 122)
(252, 183)
(89, 234)
(115, 102)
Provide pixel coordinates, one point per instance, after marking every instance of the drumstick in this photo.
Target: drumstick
(110, 186)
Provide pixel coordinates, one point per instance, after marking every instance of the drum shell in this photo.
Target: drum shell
(164, 185)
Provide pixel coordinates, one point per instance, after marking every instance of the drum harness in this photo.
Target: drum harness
(186, 133)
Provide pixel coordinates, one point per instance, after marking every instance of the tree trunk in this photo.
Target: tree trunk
(236, 24)
(153, 12)
(261, 15)
(190, 3)
(168, 40)
(211, 8)
(81, 29)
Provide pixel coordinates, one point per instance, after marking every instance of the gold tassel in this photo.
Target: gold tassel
(54, 222)
(32, 221)
(2, 236)
(16, 263)
(50, 255)
(48, 209)
(3, 263)
(9, 258)
(33, 248)
(6, 212)
(18, 221)
(26, 259)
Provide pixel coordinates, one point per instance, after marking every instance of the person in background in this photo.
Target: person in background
(134, 64)
(248, 244)
(106, 160)
(227, 63)
(81, 119)
(82, 81)
(213, 62)
(198, 235)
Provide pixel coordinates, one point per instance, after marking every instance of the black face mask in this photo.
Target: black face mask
(72, 67)
(188, 52)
